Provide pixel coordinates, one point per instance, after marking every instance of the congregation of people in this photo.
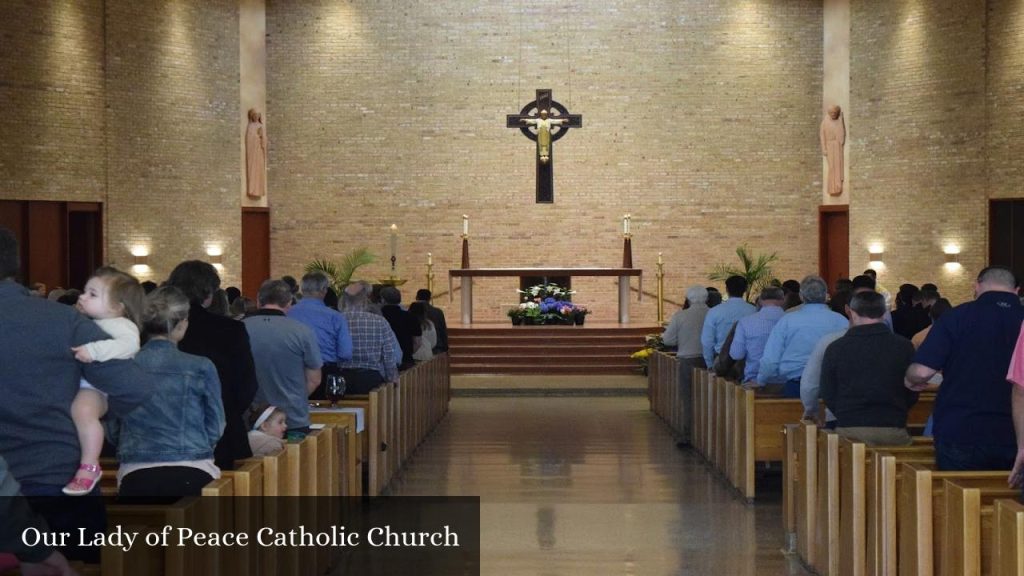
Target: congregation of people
(858, 363)
(179, 380)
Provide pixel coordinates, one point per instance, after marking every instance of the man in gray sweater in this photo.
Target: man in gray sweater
(39, 378)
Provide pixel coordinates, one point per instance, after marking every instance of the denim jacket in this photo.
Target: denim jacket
(183, 419)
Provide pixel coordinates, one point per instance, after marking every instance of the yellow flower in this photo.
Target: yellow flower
(642, 354)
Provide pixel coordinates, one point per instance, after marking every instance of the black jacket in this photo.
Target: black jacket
(436, 315)
(862, 378)
(226, 343)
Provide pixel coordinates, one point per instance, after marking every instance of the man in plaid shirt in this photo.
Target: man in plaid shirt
(374, 361)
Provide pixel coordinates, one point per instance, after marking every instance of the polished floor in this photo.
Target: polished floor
(591, 486)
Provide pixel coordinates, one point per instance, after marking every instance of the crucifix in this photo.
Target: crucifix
(544, 120)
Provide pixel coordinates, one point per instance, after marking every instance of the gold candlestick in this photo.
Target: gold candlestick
(660, 275)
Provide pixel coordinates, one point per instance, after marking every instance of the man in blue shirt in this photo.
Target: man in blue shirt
(721, 318)
(328, 325)
(795, 336)
(972, 345)
(752, 331)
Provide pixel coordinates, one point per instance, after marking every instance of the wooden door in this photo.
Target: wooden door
(85, 241)
(834, 243)
(255, 249)
(1006, 235)
(61, 242)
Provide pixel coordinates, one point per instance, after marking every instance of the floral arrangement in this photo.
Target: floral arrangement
(542, 292)
(652, 343)
(547, 304)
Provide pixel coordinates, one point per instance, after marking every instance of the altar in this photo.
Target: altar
(466, 276)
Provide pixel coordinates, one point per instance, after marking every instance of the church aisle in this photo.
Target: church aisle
(591, 486)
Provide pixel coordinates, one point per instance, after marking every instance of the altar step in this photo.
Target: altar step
(583, 350)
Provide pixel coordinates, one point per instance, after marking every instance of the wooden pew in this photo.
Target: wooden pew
(922, 513)
(868, 485)
(248, 481)
(826, 524)
(804, 488)
(969, 539)
(247, 477)
(1009, 528)
(813, 505)
(114, 561)
(171, 560)
(349, 447)
(218, 515)
(660, 370)
(375, 437)
(757, 437)
(274, 470)
(789, 472)
(698, 435)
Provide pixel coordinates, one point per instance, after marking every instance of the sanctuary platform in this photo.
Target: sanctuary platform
(591, 349)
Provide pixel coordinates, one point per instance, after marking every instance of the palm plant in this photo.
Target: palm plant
(340, 273)
(756, 269)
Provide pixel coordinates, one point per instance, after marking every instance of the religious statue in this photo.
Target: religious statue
(833, 138)
(255, 156)
(543, 125)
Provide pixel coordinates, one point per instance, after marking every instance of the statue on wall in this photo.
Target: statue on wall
(833, 138)
(543, 126)
(255, 156)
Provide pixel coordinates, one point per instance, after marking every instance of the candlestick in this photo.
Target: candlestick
(394, 241)
(465, 225)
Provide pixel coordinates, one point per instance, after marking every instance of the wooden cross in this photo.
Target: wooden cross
(529, 121)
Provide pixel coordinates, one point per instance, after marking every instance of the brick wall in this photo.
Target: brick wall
(919, 162)
(133, 104)
(699, 120)
(1005, 104)
(52, 90)
(172, 84)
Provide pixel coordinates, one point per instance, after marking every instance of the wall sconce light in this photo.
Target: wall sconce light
(952, 252)
(140, 258)
(875, 252)
(216, 255)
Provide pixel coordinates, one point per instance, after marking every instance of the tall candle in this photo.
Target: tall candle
(394, 240)
(430, 259)
(465, 225)
(660, 261)
(625, 224)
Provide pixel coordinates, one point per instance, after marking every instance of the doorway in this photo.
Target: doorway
(833, 243)
(255, 249)
(61, 242)
(1006, 235)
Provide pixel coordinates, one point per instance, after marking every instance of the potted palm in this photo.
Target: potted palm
(340, 273)
(757, 269)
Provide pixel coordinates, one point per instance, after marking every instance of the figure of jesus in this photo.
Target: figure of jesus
(833, 138)
(543, 125)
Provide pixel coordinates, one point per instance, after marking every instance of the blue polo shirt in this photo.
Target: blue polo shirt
(972, 345)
